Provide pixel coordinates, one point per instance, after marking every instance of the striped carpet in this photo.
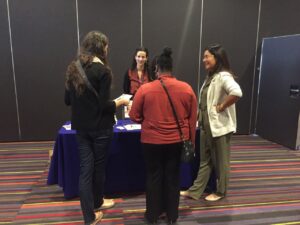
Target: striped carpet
(264, 189)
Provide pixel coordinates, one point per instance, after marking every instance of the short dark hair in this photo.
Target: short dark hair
(164, 60)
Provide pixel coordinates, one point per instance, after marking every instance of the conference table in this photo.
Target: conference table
(125, 170)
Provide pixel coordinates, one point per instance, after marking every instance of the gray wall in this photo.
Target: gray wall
(44, 39)
(8, 112)
(121, 22)
(233, 23)
(177, 27)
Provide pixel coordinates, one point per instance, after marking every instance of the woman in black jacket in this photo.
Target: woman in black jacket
(92, 116)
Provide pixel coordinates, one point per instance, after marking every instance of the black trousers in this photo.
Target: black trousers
(162, 180)
(93, 151)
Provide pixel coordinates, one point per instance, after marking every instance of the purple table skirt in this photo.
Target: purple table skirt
(125, 170)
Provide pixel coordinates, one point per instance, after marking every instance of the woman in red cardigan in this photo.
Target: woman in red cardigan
(138, 74)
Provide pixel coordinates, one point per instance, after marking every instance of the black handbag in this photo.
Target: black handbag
(188, 149)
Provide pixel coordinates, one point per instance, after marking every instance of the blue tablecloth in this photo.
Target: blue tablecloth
(125, 170)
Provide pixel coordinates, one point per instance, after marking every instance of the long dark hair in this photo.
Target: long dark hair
(133, 64)
(93, 44)
(222, 62)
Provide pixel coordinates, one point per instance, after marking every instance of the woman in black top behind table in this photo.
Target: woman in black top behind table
(93, 118)
(139, 73)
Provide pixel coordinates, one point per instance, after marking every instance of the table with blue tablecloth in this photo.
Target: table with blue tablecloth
(125, 170)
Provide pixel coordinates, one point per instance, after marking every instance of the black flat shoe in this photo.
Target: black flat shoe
(172, 222)
(149, 221)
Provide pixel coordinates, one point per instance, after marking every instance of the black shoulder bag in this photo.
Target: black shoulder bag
(82, 73)
(188, 149)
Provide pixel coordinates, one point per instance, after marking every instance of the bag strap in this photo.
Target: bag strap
(173, 108)
(82, 73)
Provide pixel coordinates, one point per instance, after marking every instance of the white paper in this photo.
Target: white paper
(126, 96)
(67, 127)
(120, 128)
(126, 110)
(133, 126)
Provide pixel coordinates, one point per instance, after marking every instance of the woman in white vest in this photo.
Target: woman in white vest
(217, 120)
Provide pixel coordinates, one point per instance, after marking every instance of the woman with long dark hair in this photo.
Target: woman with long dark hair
(92, 116)
(138, 74)
(217, 120)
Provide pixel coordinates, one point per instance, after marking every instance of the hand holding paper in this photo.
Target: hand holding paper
(127, 109)
(126, 96)
(122, 99)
